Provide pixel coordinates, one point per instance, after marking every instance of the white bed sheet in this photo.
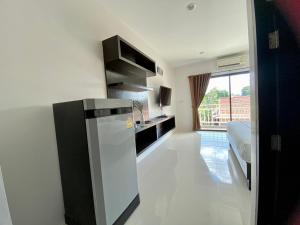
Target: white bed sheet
(239, 135)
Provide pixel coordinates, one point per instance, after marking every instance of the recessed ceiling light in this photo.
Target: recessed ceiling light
(191, 6)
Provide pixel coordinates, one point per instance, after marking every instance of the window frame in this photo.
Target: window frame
(228, 74)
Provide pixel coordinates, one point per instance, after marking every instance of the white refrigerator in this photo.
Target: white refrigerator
(97, 155)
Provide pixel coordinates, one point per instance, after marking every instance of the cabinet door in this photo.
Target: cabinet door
(113, 165)
(118, 163)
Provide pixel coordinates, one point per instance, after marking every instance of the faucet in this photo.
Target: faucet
(139, 106)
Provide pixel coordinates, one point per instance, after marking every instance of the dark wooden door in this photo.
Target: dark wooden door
(278, 41)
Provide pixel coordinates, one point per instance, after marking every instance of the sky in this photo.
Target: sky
(237, 83)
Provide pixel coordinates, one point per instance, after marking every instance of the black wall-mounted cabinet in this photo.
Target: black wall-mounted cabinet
(123, 58)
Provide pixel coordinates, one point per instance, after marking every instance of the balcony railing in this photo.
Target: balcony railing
(215, 116)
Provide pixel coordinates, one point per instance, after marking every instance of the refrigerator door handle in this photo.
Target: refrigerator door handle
(96, 113)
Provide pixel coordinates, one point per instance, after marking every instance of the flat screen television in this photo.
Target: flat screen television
(164, 96)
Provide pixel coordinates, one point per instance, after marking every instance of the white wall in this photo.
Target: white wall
(184, 118)
(50, 51)
(168, 79)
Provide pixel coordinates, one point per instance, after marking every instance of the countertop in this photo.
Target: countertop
(152, 122)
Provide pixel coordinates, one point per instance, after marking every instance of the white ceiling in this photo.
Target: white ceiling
(217, 27)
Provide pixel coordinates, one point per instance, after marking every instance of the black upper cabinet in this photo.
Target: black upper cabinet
(123, 58)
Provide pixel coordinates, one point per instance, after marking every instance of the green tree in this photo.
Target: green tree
(213, 96)
(246, 91)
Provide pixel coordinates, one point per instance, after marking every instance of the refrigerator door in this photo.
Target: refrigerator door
(116, 172)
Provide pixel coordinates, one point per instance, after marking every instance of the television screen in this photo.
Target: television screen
(165, 96)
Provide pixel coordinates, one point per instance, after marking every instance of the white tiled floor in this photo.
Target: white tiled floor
(192, 179)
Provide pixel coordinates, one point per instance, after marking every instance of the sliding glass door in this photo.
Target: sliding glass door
(227, 99)
(212, 116)
(240, 97)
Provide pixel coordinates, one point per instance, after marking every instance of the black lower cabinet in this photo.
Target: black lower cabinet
(145, 138)
(165, 127)
(148, 136)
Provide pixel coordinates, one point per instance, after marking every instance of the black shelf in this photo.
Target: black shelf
(122, 57)
(132, 55)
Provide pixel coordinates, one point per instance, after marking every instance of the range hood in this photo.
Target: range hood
(129, 87)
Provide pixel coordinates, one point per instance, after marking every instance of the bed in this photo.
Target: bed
(239, 136)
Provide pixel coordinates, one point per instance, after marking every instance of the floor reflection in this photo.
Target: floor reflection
(191, 179)
(214, 151)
